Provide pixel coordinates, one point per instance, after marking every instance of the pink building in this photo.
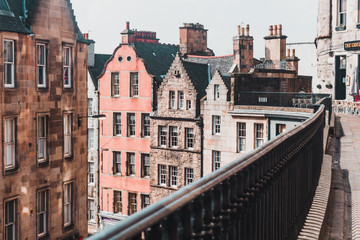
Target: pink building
(127, 88)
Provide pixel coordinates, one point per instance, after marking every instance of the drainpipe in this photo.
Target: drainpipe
(98, 159)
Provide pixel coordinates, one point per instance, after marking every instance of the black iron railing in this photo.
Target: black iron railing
(263, 195)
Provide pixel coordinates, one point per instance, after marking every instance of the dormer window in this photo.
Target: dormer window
(177, 73)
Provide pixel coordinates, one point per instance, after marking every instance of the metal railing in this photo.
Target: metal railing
(265, 194)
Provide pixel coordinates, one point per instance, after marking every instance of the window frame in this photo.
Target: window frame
(188, 104)
(162, 174)
(173, 176)
(117, 162)
(258, 138)
(12, 142)
(90, 106)
(341, 13)
(134, 84)
(216, 125)
(117, 201)
(216, 160)
(68, 134)
(145, 125)
(241, 137)
(145, 165)
(43, 65)
(132, 205)
(189, 138)
(45, 212)
(68, 66)
(117, 125)
(115, 84)
(43, 138)
(162, 136)
(91, 138)
(216, 92)
(144, 203)
(172, 99)
(91, 173)
(181, 100)
(68, 204)
(14, 222)
(189, 176)
(131, 163)
(11, 63)
(173, 136)
(131, 126)
(91, 211)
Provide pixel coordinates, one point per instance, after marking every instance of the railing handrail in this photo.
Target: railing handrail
(156, 212)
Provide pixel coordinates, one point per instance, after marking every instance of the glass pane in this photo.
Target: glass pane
(8, 51)
(41, 75)
(8, 73)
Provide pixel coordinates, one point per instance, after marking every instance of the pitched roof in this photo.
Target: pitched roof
(96, 70)
(199, 75)
(157, 57)
(221, 63)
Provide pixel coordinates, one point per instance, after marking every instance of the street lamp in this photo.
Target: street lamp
(100, 117)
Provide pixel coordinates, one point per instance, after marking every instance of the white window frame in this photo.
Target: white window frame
(145, 121)
(67, 64)
(8, 223)
(9, 143)
(188, 104)
(43, 211)
(181, 100)
(131, 164)
(117, 201)
(131, 124)
(241, 134)
(162, 174)
(117, 162)
(68, 203)
(41, 55)
(67, 134)
(216, 120)
(117, 124)
(132, 204)
(216, 160)
(189, 175)
(91, 172)
(162, 136)
(91, 138)
(173, 176)
(90, 106)
(216, 92)
(91, 209)
(171, 99)
(134, 84)
(342, 12)
(189, 138)
(42, 138)
(10, 62)
(145, 200)
(115, 84)
(145, 165)
(258, 134)
(174, 134)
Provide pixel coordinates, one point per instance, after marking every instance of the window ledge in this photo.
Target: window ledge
(340, 28)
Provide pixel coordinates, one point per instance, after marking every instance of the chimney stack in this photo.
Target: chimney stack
(280, 29)
(270, 30)
(247, 29)
(242, 31)
(275, 44)
(293, 60)
(127, 36)
(239, 30)
(193, 40)
(243, 50)
(127, 25)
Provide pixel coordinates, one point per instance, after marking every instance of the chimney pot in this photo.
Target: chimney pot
(288, 52)
(242, 31)
(86, 35)
(247, 30)
(127, 25)
(270, 30)
(275, 30)
(239, 30)
(293, 52)
(280, 29)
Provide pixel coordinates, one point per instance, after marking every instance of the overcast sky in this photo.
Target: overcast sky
(105, 19)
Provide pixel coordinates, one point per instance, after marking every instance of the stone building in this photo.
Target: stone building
(43, 66)
(127, 95)
(338, 47)
(176, 134)
(96, 64)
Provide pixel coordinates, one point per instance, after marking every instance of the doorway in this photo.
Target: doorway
(340, 75)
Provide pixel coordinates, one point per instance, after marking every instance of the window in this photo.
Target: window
(117, 162)
(9, 64)
(280, 128)
(162, 174)
(216, 159)
(91, 136)
(131, 163)
(131, 124)
(173, 136)
(241, 137)
(67, 135)
(189, 137)
(216, 92)
(117, 202)
(9, 143)
(91, 171)
(188, 104)
(41, 65)
(342, 12)
(259, 134)
(146, 125)
(216, 124)
(115, 84)
(145, 200)
(189, 175)
(67, 67)
(10, 220)
(42, 212)
(132, 203)
(68, 204)
(134, 84)
(91, 209)
(90, 106)
(145, 165)
(173, 176)
(42, 138)
(172, 100)
(181, 100)
(162, 136)
(117, 124)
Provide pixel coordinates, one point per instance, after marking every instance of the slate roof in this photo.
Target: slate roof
(100, 60)
(221, 63)
(199, 75)
(14, 17)
(157, 57)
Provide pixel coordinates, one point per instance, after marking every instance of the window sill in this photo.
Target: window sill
(43, 163)
(68, 157)
(117, 174)
(10, 171)
(340, 28)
